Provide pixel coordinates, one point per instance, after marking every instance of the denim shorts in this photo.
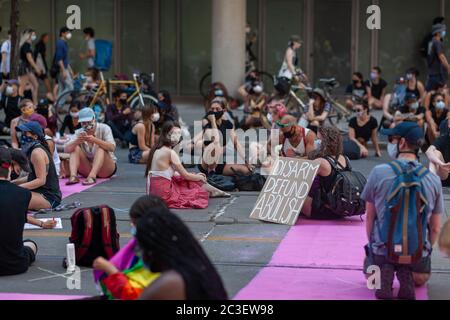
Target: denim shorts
(135, 155)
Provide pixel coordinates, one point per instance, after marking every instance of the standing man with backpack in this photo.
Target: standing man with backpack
(404, 203)
(89, 55)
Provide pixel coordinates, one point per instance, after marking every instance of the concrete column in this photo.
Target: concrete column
(228, 42)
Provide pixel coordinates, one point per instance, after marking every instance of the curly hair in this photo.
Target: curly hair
(331, 146)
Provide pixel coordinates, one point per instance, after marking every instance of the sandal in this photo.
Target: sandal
(89, 182)
(72, 181)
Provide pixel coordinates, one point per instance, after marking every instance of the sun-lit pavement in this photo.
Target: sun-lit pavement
(238, 246)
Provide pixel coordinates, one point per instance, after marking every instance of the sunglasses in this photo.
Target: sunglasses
(358, 110)
(282, 126)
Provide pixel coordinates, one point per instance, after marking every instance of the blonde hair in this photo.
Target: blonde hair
(444, 239)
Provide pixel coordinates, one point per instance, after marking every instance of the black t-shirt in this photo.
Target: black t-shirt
(364, 132)
(377, 89)
(435, 66)
(24, 50)
(438, 119)
(11, 107)
(223, 127)
(406, 110)
(13, 216)
(68, 124)
(443, 145)
(357, 91)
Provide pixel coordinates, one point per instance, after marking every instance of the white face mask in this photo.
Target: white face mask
(74, 114)
(156, 117)
(258, 89)
(392, 150)
(270, 117)
(69, 36)
(175, 137)
(318, 144)
(9, 91)
(33, 37)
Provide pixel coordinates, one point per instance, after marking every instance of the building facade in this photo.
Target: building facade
(174, 38)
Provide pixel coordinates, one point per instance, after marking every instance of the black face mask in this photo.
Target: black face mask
(288, 135)
(123, 101)
(14, 175)
(218, 114)
(355, 82)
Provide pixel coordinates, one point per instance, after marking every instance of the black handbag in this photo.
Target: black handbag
(252, 182)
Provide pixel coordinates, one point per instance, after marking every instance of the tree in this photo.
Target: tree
(14, 25)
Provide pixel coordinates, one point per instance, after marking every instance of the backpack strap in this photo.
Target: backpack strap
(106, 231)
(397, 167)
(87, 236)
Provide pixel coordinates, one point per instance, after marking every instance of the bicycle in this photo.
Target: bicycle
(98, 98)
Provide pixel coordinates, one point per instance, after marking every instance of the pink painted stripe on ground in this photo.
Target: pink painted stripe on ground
(316, 260)
(36, 297)
(67, 191)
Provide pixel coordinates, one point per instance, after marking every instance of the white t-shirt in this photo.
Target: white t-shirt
(91, 46)
(6, 48)
(103, 132)
(56, 159)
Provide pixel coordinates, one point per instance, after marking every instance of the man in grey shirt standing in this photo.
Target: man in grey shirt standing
(89, 55)
(408, 137)
(438, 66)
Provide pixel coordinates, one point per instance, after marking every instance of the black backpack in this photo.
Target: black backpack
(344, 199)
(252, 182)
(94, 233)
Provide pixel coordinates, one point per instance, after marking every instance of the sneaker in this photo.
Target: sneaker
(387, 280)
(407, 287)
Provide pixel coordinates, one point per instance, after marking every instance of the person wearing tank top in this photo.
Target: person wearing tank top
(296, 141)
(290, 62)
(414, 85)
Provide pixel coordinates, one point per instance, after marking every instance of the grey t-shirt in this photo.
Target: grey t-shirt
(91, 46)
(435, 66)
(379, 186)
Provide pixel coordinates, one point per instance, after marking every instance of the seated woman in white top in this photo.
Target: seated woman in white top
(169, 180)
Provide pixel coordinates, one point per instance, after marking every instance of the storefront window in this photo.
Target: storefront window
(168, 46)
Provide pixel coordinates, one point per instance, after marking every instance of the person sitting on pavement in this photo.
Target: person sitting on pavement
(411, 111)
(376, 89)
(408, 138)
(169, 248)
(119, 117)
(330, 151)
(45, 109)
(217, 131)
(27, 109)
(20, 164)
(435, 115)
(43, 180)
(439, 155)
(128, 284)
(296, 141)
(364, 128)
(441, 89)
(168, 112)
(318, 110)
(71, 122)
(169, 180)
(143, 135)
(91, 150)
(10, 103)
(414, 85)
(356, 90)
(255, 105)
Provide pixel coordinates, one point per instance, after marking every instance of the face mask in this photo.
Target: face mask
(444, 33)
(27, 143)
(355, 82)
(218, 93)
(360, 114)
(123, 101)
(258, 89)
(373, 76)
(270, 117)
(218, 114)
(392, 150)
(175, 138)
(156, 117)
(414, 106)
(288, 135)
(440, 105)
(89, 127)
(33, 37)
(9, 91)
(69, 36)
(75, 114)
(133, 231)
(28, 112)
(318, 144)
(409, 76)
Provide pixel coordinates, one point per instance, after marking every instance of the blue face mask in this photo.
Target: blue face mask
(443, 34)
(414, 106)
(133, 231)
(218, 93)
(318, 144)
(440, 105)
(27, 143)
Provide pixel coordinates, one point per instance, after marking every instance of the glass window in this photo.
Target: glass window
(98, 14)
(196, 33)
(332, 39)
(401, 35)
(284, 18)
(137, 50)
(168, 46)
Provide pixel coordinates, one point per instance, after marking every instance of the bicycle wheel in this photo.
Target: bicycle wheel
(63, 103)
(148, 99)
(205, 85)
(267, 79)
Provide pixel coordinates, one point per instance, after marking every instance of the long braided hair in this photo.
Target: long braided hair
(167, 244)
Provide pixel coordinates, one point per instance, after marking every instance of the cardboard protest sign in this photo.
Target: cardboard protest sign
(285, 191)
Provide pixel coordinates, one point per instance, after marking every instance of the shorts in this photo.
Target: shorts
(54, 202)
(42, 77)
(23, 69)
(135, 155)
(422, 266)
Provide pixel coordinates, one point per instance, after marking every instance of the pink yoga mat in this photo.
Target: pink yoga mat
(67, 191)
(38, 297)
(317, 260)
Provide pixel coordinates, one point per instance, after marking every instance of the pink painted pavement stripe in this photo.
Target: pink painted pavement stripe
(36, 297)
(68, 191)
(316, 260)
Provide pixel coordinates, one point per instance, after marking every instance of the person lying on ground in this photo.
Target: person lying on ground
(364, 128)
(169, 248)
(91, 150)
(43, 181)
(169, 180)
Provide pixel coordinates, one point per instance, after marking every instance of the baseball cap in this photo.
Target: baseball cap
(409, 130)
(13, 82)
(86, 115)
(36, 117)
(64, 30)
(438, 28)
(33, 127)
(411, 96)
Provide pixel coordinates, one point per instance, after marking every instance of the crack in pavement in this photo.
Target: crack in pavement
(220, 211)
